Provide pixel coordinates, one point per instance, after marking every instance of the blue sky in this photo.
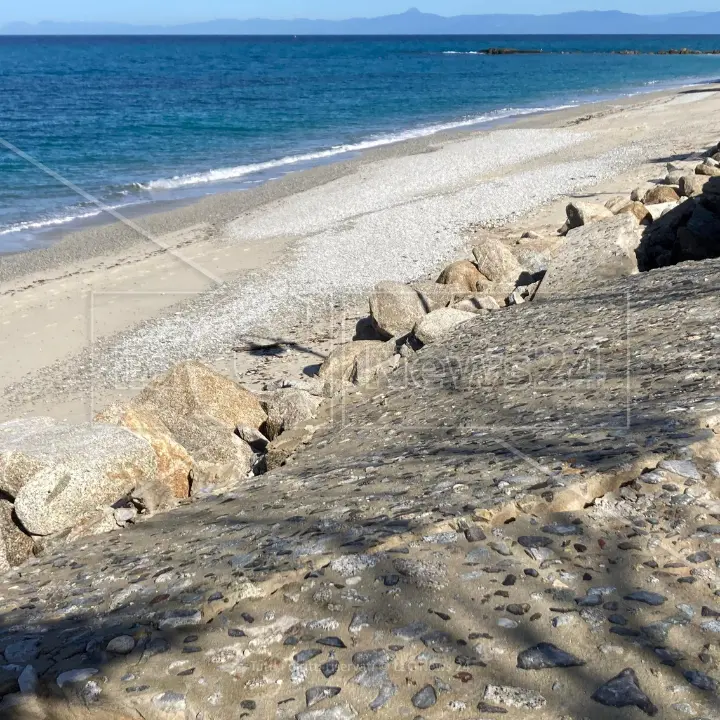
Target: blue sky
(173, 11)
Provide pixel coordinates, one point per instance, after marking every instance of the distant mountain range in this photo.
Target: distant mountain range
(412, 22)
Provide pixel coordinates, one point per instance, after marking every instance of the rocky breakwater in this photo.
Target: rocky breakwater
(190, 433)
(520, 519)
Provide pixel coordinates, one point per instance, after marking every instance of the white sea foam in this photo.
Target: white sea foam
(48, 222)
(233, 173)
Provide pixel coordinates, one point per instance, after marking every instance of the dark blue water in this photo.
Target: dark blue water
(140, 119)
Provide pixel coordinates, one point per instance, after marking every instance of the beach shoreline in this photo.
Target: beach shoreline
(102, 233)
(239, 263)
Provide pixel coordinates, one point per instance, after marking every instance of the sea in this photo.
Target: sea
(132, 121)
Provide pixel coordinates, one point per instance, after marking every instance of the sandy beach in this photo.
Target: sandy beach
(89, 320)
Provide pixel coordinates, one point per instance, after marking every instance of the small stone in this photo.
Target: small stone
(180, 618)
(28, 681)
(314, 695)
(500, 547)
(683, 468)
(516, 609)
(121, 645)
(700, 680)
(339, 712)
(170, 701)
(425, 698)
(306, 655)
(699, 557)
(22, 652)
(484, 707)
(534, 541)
(649, 598)
(372, 658)
(387, 693)
(475, 534)
(75, 676)
(510, 580)
(562, 530)
(624, 691)
(514, 697)
(329, 668)
(546, 655)
(335, 642)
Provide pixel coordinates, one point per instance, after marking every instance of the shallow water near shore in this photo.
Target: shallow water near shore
(137, 121)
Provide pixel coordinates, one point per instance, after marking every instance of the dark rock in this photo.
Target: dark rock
(699, 557)
(643, 596)
(387, 692)
(546, 655)
(618, 620)
(531, 572)
(306, 655)
(700, 680)
(484, 707)
(465, 661)
(509, 581)
(515, 609)
(372, 658)
(624, 631)
(425, 698)
(335, 642)
(624, 691)
(329, 668)
(534, 541)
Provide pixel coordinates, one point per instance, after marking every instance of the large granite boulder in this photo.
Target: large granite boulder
(173, 460)
(59, 473)
(639, 210)
(15, 545)
(593, 254)
(209, 441)
(287, 409)
(17, 466)
(192, 388)
(435, 325)
(496, 262)
(354, 362)
(660, 194)
(395, 307)
(463, 274)
(708, 170)
(581, 213)
(693, 185)
(477, 303)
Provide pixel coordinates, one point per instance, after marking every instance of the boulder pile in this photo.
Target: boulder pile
(190, 432)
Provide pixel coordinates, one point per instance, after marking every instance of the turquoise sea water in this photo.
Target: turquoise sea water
(142, 119)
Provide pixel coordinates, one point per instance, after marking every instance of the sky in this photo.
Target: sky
(178, 11)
